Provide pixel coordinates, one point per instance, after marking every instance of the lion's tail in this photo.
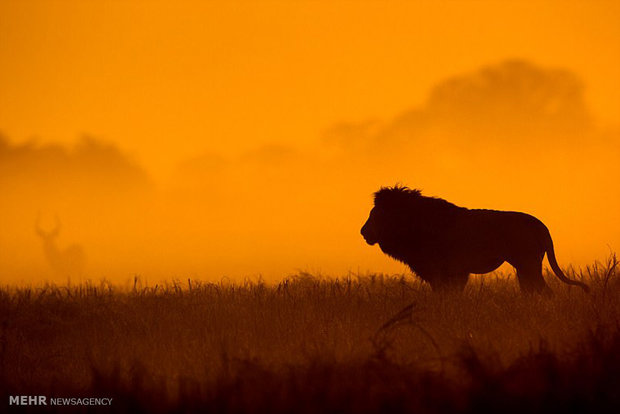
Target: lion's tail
(556, 268)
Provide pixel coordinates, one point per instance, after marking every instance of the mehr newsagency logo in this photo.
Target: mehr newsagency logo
(60, 401)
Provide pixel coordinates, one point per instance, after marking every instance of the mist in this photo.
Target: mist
(513, 135)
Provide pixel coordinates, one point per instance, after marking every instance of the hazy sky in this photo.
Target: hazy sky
(167, 80)
(246, 138)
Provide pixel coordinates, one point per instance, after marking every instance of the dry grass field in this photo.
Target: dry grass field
(312, 344)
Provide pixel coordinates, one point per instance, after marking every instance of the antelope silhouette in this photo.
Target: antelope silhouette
(66, 262)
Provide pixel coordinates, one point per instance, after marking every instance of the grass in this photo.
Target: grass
(311, 344)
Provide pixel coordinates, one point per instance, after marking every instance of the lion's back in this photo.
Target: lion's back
(509, 231)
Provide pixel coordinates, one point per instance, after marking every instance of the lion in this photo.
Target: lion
(443, 243)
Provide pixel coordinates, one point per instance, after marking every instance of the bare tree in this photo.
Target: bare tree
(66, 262)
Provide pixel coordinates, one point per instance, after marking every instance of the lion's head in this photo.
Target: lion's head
(391, 210)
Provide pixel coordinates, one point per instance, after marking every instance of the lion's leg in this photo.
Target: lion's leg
(530, 277)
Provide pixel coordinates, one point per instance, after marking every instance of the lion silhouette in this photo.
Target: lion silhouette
(443, 243)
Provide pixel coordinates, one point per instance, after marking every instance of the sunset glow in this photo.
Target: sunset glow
(245, 139)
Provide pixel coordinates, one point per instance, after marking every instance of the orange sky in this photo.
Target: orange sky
(257, 123)
(169, 79)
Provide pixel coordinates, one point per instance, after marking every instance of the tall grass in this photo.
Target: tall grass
(310, 344)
